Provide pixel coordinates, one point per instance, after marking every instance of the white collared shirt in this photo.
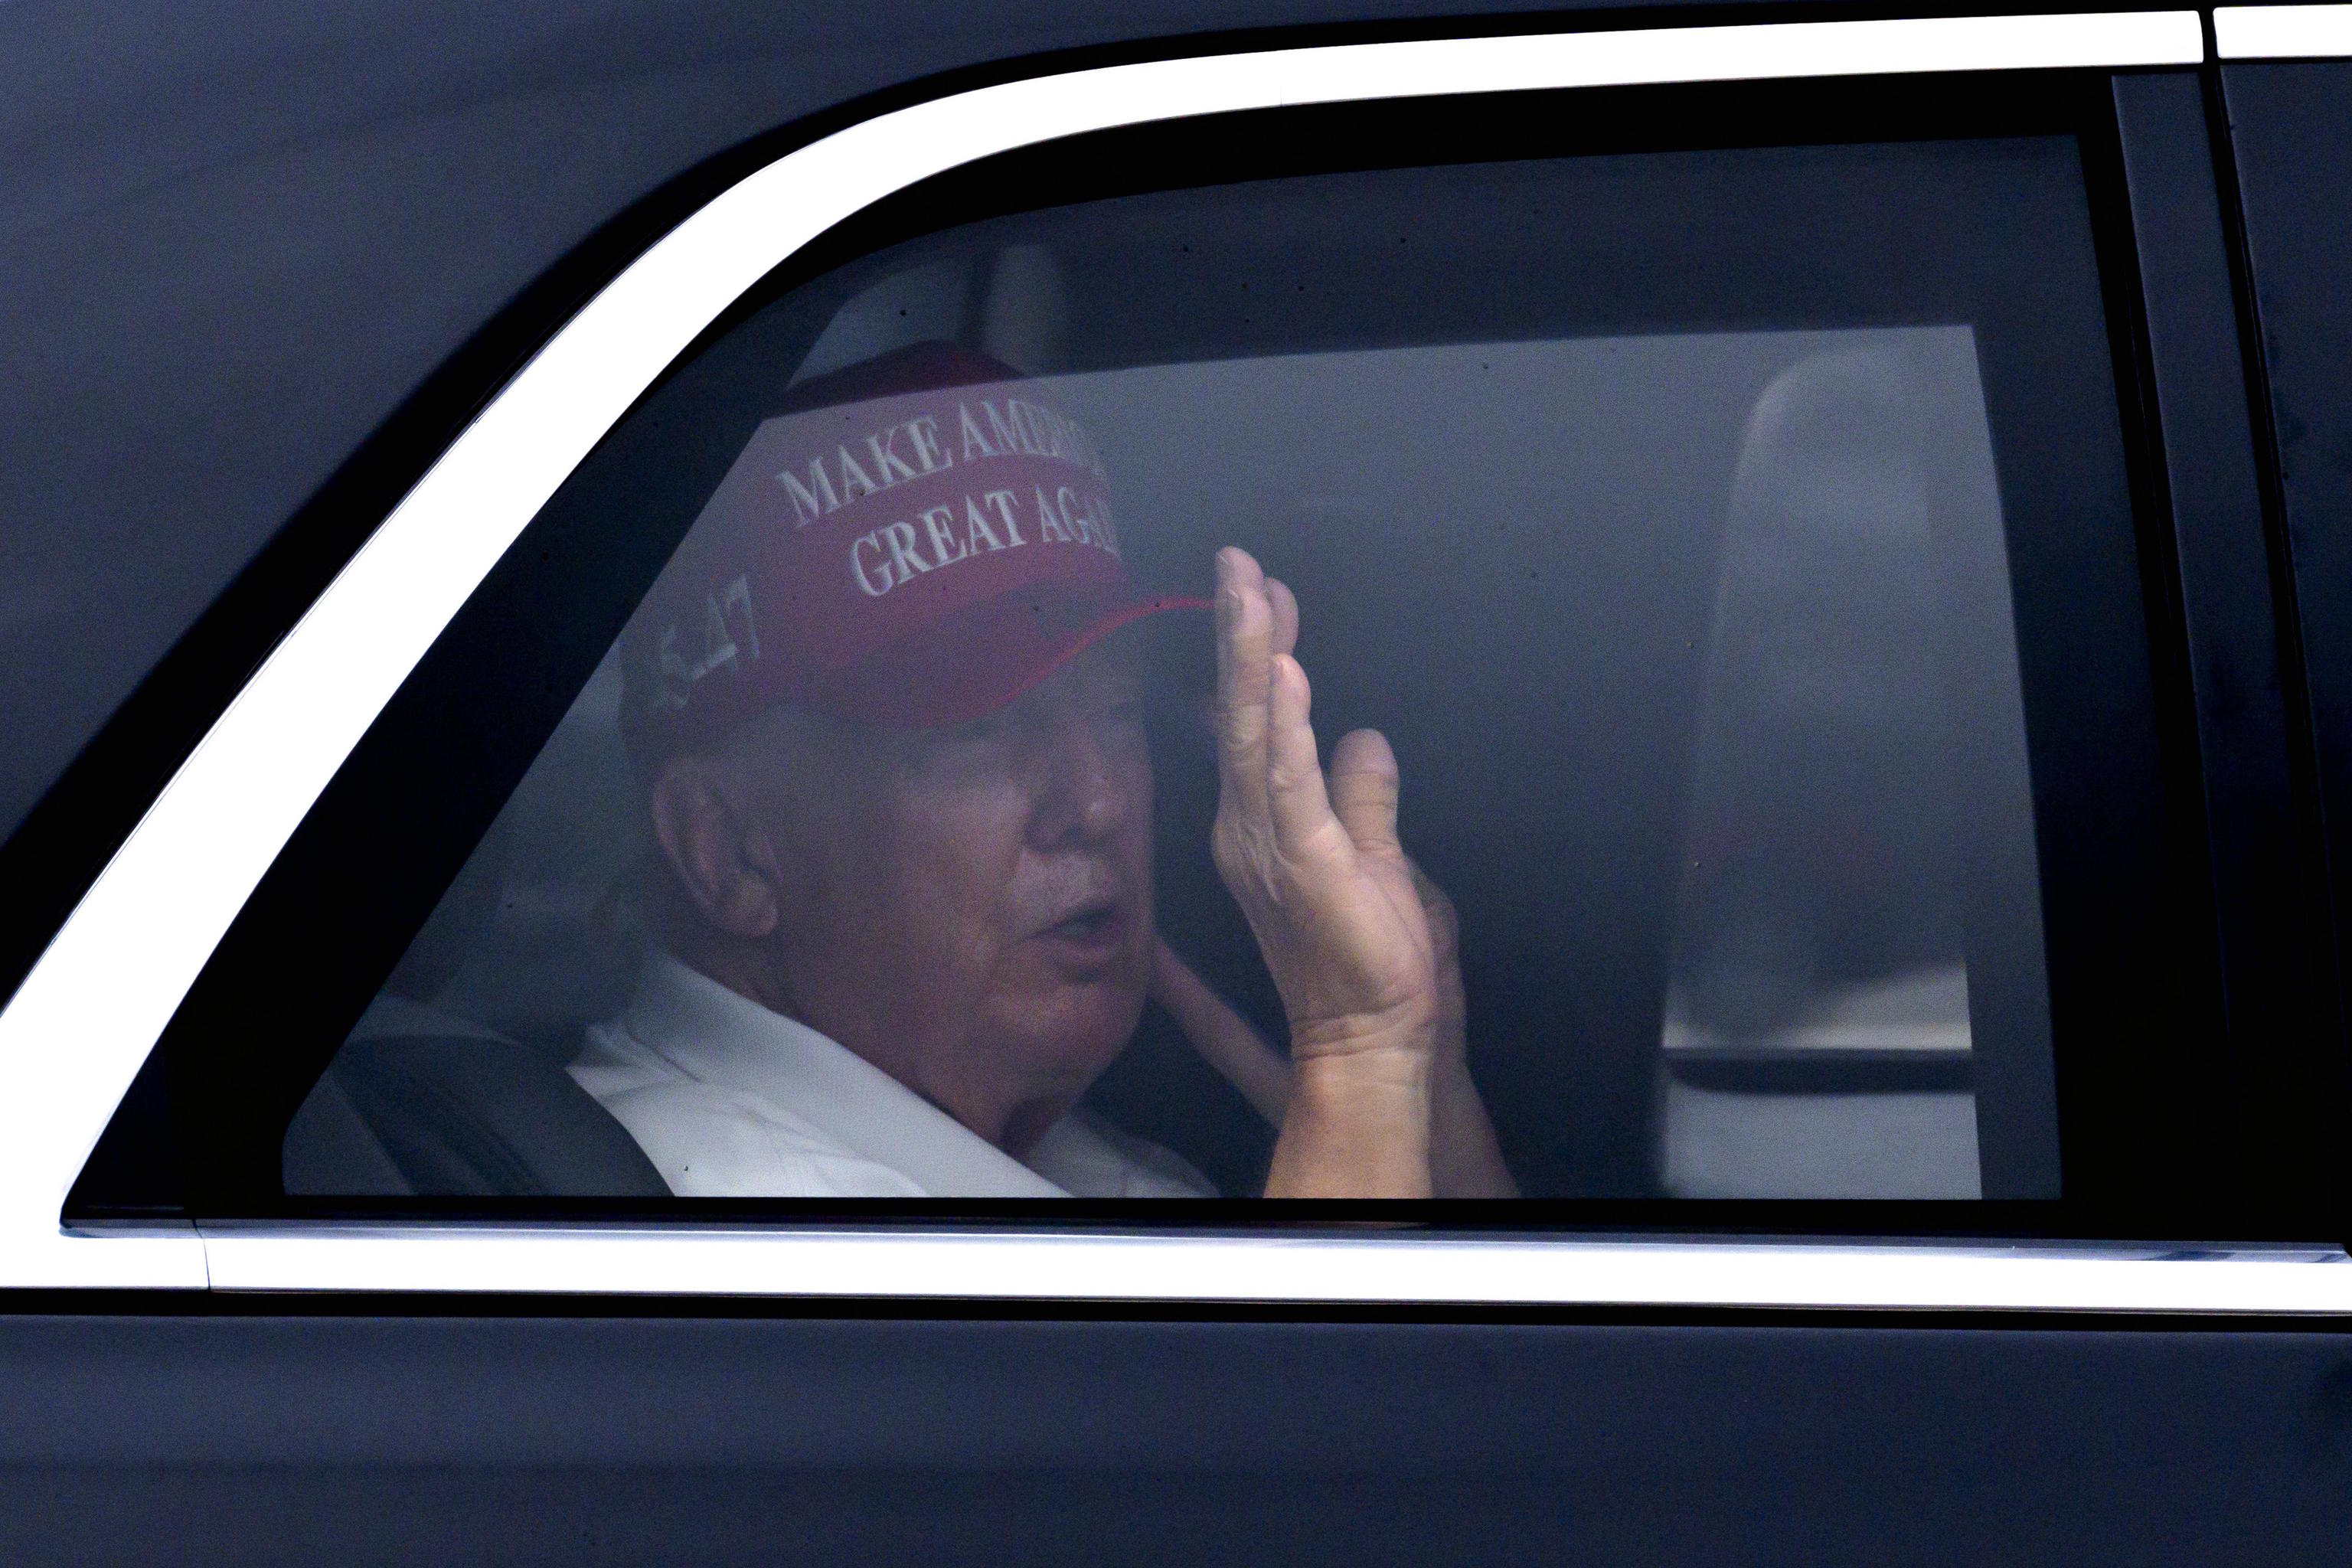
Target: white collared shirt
(729, 1099)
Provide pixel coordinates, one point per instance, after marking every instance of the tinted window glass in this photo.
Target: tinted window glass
(1734, 548)
(1690, 645)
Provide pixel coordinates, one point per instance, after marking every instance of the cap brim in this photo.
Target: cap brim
(972, 665)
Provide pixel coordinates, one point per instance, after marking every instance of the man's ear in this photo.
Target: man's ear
(721, 856)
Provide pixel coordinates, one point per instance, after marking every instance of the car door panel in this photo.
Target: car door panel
(377, 1435)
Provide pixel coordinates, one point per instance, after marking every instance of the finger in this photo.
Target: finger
(1445, 952)
(1245, 653)
(1225, 1040)
(1444, 924)
(1364, 786)
(1284, 605)
(1294, 794)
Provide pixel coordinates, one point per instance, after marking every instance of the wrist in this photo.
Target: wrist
(1402, 1033)
(1369, 1076)
(1357, 1125)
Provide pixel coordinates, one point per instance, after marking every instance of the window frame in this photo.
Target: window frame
(2278, 67)
(2283, 32)
(2116, 875)
(177, 883)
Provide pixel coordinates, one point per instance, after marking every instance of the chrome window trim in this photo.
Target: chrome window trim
(93, 1006)
(1273, 1269)
(2283, 32)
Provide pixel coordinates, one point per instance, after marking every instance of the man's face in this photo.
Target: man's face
(971, 908)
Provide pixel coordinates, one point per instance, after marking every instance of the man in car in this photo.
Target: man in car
(887, 700)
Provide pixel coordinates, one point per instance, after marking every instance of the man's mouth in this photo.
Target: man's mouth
(1094, 930)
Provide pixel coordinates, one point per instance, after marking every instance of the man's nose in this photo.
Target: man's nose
(1081, 794)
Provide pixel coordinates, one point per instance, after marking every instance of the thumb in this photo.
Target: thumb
(1364, 791)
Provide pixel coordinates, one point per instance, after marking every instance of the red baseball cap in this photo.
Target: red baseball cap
(915, 544)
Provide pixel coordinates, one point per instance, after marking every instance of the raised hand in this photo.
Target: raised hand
(1315, 866)
(1464, 1159)
(1230, 1043)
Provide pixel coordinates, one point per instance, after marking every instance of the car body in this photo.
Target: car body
(318, 312)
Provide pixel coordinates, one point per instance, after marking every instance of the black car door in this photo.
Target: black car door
(1803, 501)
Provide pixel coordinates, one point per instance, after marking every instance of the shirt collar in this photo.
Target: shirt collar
(716, 1036)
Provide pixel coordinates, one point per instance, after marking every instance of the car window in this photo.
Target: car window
(1732, 546)
(1658, 611)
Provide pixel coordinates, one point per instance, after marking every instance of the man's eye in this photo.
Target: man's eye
(955, 748)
